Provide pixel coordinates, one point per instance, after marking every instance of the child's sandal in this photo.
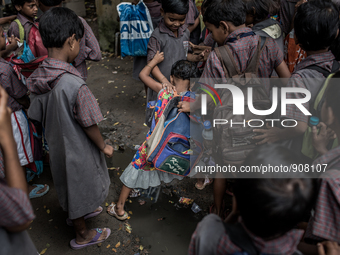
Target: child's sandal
(111, 210)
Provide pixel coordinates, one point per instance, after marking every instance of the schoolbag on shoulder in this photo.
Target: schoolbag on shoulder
(307, 142)
(32, 53)
(234, 143)
(175, 145)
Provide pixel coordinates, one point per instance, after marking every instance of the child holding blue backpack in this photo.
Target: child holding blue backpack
(141, 173)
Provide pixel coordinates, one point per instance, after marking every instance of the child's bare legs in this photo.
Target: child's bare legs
(219, 191)
(83, 234)
(124, 194)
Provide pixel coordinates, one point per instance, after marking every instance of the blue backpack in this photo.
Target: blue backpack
(175, 145)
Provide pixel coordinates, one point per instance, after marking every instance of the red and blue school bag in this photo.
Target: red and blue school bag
(31, 54)
(175, 145)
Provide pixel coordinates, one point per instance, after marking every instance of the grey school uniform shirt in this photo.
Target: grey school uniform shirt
(78, 167)
(164, 40)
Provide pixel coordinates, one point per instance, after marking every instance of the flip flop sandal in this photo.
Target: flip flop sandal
(99, 231)
(87, 216)
(111, 210)
(34, 193)
(207, 181)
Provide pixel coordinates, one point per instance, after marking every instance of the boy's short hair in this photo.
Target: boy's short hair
(184, 69)
(58, 24)
(20, 2)
(271, 207)
(50, 3)
(233, 11)
(261, 9)
(316, 24)
(180, 7)
(332, 94)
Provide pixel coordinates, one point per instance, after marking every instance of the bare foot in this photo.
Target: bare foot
(90, 235)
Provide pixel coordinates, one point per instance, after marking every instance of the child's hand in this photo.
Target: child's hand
(321, 140)
(268, 135)
(192, 46)
(108, 151)
(206, 54)
(13, 45)
(168, 87)
(5, 115)
(183, 106)
(332, 248)
(159, 57)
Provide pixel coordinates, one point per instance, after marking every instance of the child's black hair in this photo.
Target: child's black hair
(184, 69)
(271, 207)
(20, 2)
(332, 94)
(335, 47)
(262, 9)
(316, 24)
(205, 5)
(180, 7)
(50, 3)
(233, 11)
(58, 24)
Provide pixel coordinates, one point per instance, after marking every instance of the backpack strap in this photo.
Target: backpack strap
(253, 65)
(323, 71)
(240, 238)
(229, 65)
(320, 98)
(21, 30)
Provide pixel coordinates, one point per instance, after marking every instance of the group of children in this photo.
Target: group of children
(267, 213)
(268, 210)
(67, 110)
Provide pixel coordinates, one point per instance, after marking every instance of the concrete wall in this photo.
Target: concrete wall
(107, 23)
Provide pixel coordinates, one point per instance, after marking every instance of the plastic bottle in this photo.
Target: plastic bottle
(207, 131)
(307, 143)
(313, 121)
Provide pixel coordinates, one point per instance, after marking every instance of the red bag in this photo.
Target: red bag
(293, 52)
(35, 42)
(26, 69)
(36, 46)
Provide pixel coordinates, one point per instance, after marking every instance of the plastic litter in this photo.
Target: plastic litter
(185, 200)
(195, 208)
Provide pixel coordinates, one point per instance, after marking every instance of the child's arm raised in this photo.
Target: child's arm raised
(144, 75)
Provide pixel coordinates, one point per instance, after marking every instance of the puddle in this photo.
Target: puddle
(172, 234)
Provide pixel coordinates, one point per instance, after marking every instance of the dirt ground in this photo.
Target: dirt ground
(157, 228)
(122, 102)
